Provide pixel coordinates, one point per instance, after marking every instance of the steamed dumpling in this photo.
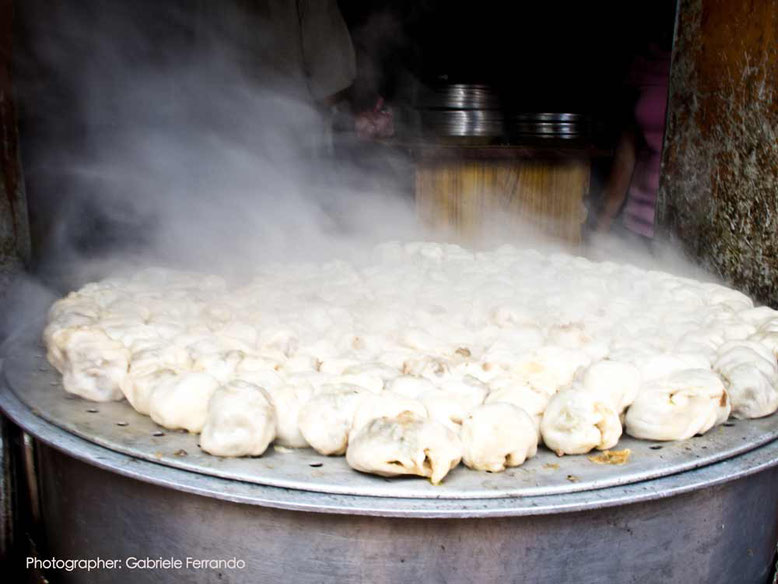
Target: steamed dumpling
(385, 405)
(148, 368)
(181, 401)
(576, 421)
(138, 388)
(221, 365)
(445, 408)
(750, 374)
(681, 405)
(241, 421)
(57, 333)
(618, 383)
(498, 435)
(94, 364)
(659, 365)
(533, 401)
(288, 400)
(325, 421)
(550, 368)
(767, 335)
(405, 445)
(410, 386)
(469, 391)
(758, 316)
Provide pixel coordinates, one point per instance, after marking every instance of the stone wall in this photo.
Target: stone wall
(719, 190)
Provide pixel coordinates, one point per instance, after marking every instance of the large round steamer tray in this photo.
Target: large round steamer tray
(118, 427)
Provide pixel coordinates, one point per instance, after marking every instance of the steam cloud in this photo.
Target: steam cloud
(176, 148)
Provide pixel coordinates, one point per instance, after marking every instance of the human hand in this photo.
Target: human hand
(376, 123)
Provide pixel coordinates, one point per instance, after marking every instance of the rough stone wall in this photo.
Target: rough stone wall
(719, 190)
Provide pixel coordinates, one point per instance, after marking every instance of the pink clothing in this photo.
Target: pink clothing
(649, 75)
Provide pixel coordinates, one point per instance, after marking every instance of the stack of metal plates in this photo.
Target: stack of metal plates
(461, 110)
(563, 126)
(476, 110)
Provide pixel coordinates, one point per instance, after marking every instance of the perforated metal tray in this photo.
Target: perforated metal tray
(118, 427)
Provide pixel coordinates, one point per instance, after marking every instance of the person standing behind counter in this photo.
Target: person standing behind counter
(631, 188)
(301, 48)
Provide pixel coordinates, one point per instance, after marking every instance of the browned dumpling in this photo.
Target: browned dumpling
(405, 445)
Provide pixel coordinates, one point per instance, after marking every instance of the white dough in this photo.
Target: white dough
(405, 445)
(94, 364)
(288, 400)
(617, 383)
(410, 386)
(750, 374)
(498, 435)
(533, 401)
(325, 421)
(138, 387)
(767, 335)
(241, 421)
(446, 408)
(679, 406)
(385, 405)
(577, 420)
(427, 330)
(181, 401)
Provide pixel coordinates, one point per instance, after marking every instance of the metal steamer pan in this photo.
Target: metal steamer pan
(101, 489)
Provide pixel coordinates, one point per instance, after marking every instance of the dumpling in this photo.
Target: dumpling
(267, 379)
(181, 401)
(576, 421)
(148, 368)
(138, 388)
(221, 365)
(616, 382)
(469, 391)
(659, 365)
(373, 371)
(385, 405)
(159, 356)
(325, 421)
(445, 408)
(533, 401)
(288, 400)
(498, 435)
(94, 364)
(767, 335)
(718, 294)
(73, 304)
(678, 407)
(368, 380)
(550, 368)
(410, 386)
(758, 316)
(57, 332)
(750, 374)
(132, 334)
(405, 445)
(241, 421)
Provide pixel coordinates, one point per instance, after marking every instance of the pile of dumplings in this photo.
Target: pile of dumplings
(426, 356)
